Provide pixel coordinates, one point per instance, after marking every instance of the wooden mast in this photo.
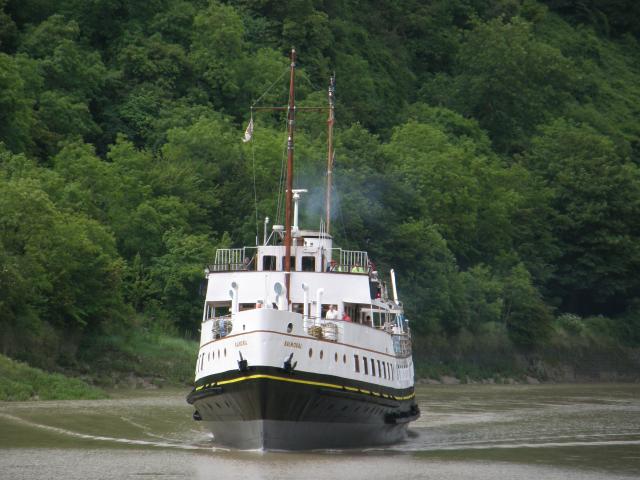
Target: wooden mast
(291, 116)
(330, 122)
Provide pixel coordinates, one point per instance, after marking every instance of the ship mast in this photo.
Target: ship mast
(330, 122)
(291, 116)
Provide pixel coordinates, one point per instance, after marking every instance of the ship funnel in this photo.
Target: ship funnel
(266, 222)
(296, 200)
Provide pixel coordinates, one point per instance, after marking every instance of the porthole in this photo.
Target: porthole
(344, 359)
(321, 354)
(218, 353)
(310, 352)
(225, 352)
(208, 356)
(290, 328)
(336, 356)
(243, 327)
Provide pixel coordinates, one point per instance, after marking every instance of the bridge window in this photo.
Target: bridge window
(269, 262)
(308, 264)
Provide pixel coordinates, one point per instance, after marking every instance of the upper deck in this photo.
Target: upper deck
(311, 252)
(321, 277)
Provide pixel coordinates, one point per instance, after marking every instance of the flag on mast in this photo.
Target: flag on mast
(248, 133)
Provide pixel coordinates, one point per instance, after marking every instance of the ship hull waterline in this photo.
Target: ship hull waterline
(263, 409)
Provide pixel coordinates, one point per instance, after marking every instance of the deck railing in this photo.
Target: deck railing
(354, 261)
(221, 327)
(401, 345)
(323, 329)
(233, 259)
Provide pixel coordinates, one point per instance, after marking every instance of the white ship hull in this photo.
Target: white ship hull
(250, 398)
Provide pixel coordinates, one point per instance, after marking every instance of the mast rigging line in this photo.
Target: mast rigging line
(284, 72)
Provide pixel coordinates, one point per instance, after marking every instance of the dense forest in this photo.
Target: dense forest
(488, 150)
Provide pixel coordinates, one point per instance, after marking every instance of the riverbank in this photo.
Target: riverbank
(143, 359)
(19, 381)
(138, 360)
(502, 364)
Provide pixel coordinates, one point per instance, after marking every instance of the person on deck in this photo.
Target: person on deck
(346, 317)
(332, 314)
(357, 269)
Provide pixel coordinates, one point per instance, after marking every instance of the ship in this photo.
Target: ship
(303, 345)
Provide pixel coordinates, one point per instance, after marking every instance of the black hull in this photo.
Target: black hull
(268, 408)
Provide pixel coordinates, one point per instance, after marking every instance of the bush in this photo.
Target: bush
(18, 381)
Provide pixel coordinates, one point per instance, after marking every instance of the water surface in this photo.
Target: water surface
(466, 432)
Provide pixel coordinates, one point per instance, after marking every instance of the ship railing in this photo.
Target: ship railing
(221, 326)
(234, 259)
(323, 329)
(353, 261)
(401, 344)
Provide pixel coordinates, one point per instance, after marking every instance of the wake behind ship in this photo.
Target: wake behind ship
(302, 346)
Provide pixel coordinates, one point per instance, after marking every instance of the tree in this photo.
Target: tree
(509, 80)
(596, 207)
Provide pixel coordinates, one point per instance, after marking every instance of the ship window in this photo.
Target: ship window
(384, 369)
(366, 365)
(373, 367)
(225, 352)
(269, 262)
(344, 358)
(321, 354)
(289, 327)
(336, 356)
(356, 363)
(310, 352)
(308, 264)
(293, 262)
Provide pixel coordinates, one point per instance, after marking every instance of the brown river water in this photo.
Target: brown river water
(465, 432)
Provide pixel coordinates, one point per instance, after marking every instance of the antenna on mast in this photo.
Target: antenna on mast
(291, 116)
(330, 156)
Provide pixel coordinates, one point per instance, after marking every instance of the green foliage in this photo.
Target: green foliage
(16, 106)
(525, 314)
(488, 151)
(509, 80)
(21, 382)
(596, 203)
(145, 351)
